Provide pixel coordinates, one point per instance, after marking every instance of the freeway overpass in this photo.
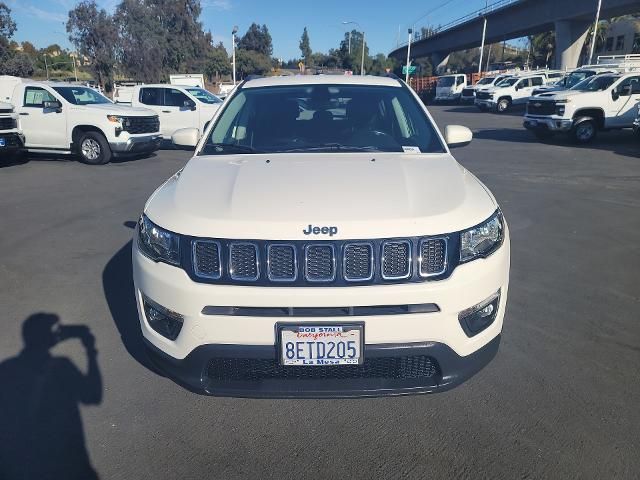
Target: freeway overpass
(508, 19)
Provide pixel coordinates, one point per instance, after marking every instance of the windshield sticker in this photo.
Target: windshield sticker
(410, 149)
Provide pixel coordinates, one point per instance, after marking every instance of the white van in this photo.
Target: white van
(449, 87)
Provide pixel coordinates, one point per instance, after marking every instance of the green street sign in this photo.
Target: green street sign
(412, 69)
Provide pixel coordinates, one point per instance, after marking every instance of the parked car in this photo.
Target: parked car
(469, 92)
(11, 138)
(510, 91)
(178, 106)
(605, 101)
(62, 118)
(302, 255)
(449, 87)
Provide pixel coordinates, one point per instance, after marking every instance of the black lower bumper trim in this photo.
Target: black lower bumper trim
(439, 369)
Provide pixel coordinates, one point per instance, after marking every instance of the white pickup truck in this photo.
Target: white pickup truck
(469, 92)
(511, 91)
(62, 118)
(11, 138)
(178, 106)
(601, 102)
(449, 87)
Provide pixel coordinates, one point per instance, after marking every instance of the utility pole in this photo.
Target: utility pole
(406, 75)
(349, 42)
(595, 32)
(46, 66)
(362, 60)
(484, 32)
(233, 50)
(75, 71)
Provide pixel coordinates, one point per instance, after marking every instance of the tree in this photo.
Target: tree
(305, 47)
(542, 48)
(352, 61)
(94, 34)
(251, 62)
(7, 25)
(30, 49)
(217, 62)
(381, 63)
(257, 39)
(19, 65)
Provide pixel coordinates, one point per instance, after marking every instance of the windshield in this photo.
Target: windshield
(203, 95)
(596, 83)
(316, 118)
(486, 81)
(576, 77)
(445, 82)
(81, 95)
(507, 82)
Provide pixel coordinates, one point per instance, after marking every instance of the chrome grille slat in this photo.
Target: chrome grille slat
(282, 264)
(357, 262)
(243, 261)
(396, 259)
(320, 263)
(433, 256)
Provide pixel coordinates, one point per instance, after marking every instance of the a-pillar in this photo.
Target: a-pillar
(570, 36)
(439, 62)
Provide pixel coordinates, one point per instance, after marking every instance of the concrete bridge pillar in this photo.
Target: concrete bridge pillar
(570, 36)
(439, 62)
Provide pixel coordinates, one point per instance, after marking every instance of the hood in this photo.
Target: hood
(563, 94)
(115, 109)
(277, 197)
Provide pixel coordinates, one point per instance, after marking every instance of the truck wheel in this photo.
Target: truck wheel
(585, 131)
(503, 105)
(93, 149)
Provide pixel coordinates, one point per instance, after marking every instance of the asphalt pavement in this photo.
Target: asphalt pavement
(560, 400)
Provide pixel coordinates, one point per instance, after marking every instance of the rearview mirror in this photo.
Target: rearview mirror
(52, 105)
(457, 136)
(186, 138)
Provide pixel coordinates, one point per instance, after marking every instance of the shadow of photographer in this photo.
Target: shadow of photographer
(41, 432)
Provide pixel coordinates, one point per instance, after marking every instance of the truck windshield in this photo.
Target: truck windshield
(507, 82)
(81, 95)
(485, 81)
(445, 82)
(576, 77)
(204, 96)
(596, 83)
(322, 118)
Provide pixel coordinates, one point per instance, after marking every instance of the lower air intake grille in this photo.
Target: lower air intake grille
(396, 260)
(243, 261)
(320, 263)
(252, 370)
(433, 256)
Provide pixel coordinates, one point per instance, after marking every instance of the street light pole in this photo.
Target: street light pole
(233, 52)
(349, 42)
(406, 75)
(362, 60)
(484, 32)
(595, 32)
(46, 66)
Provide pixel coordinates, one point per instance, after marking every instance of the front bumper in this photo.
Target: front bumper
(452, 97)
(485, 103)
(11, 142)
(249, 342)
(137, 144)
(552, 124)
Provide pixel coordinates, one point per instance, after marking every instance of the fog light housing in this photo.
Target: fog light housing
(164, 321)
(477, 318)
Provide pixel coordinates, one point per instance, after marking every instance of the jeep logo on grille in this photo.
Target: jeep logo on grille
(311, 230)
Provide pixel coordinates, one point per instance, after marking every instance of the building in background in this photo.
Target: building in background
(622, 38)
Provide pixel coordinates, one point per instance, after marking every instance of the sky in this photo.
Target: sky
(42, 21)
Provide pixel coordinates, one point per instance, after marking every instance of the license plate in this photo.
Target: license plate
(2, 142)
(321, 345)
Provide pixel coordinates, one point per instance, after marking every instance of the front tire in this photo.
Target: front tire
(93, 149)
(585, 131)
(503, 105)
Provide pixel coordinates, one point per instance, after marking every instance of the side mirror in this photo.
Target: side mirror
(52, 105)
(517, 87)
(615, 95)
(190, 105)
(457, 136)
(186, 138)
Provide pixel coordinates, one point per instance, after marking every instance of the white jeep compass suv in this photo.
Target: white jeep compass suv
(321, 242)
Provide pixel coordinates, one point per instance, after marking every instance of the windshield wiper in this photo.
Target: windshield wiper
(333, 146)
(232, 146)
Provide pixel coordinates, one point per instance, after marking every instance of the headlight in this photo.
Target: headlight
(158, 244)
(482, 240)
(564, 100)
(114, 119)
